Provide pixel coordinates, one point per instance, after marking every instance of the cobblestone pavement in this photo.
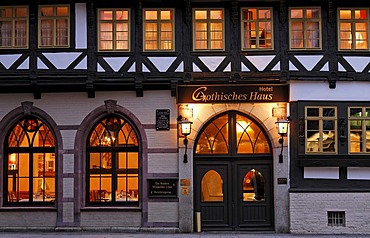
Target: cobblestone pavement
(32, 234)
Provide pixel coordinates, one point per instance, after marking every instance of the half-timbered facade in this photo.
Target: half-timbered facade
(93, 95)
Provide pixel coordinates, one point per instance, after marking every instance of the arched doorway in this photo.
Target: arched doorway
(233, 174)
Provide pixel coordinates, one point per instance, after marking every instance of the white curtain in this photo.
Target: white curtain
(20, 33)
(62, 32)
(47, 32)
(6, 33)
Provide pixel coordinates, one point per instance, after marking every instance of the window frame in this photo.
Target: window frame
(320, 118)
(113, 21)
(304, 20)
(31, 151)
(257, 21)
(159, 31)
(13, 20)
(209, 21)
(115, 172)
(363, 130)
(353, 32)
(54, 18)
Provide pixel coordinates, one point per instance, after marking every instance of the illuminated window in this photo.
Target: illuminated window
(253, 186)
(208, 29)
(112, 163)
(359, 129)
(248, 138)
(54, 26)
(256, 28)
(321, 127)
(212, 187)
(353, 29)
(305, 28)
(159, 30)
(30, 163)
(114, 30)
(13, 27)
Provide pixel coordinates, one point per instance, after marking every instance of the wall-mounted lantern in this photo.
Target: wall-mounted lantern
(185, 131)
(282, 130)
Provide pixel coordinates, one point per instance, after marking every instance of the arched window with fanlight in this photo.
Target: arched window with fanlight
(232, 133)
(112, 162)
(30, 163)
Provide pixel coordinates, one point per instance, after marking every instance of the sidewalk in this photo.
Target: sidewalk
(33, 234)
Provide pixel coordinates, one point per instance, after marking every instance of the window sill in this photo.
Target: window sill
(334, 160)
(28, 208)
(112, 208)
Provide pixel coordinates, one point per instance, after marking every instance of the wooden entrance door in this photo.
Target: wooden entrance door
(233, 186)
(233, 195)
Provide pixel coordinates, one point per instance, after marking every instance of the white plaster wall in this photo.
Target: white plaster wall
(163, 212)
(81, 26)
(344, 91)
(163, 163)
(72, 108)
(308, 212)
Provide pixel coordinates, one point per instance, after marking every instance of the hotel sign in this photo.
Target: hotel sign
(232, 93)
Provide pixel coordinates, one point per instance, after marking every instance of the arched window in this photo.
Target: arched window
(212, 187)
(232, 133)
(30, 163)
(112, 163)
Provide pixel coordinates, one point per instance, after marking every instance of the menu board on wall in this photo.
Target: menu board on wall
(162, 187)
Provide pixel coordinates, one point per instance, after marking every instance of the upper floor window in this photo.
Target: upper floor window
(159, 30)
(208, 29)
(13, 27)
(112, 163)
(359, 128)
(305, 28)
(256, 28)
(30, 164)
(354, 29)
(54, 26)
(114, 30)
(321, 127)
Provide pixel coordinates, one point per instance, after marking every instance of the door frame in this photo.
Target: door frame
(232, 158)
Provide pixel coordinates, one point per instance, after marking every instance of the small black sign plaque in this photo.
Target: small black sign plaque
(162, 117)
(162, 187)
(282, 180)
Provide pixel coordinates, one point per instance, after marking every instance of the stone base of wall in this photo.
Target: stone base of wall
(309, 213)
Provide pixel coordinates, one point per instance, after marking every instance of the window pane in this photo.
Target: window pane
(211, 187)
(62, 11)
(217, 15)
(361, 14)
(264, 14)
(312, 13)
(121, 15)
(200, 14)
(21, 12)
(296, 13)
(46, 11)
(214, 139)
(151, 15)
(253, 186)
(106, 15)
(328, 112)
(345, 14)
(166, 15)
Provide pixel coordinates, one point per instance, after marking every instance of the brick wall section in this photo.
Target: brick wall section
(308, 212)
